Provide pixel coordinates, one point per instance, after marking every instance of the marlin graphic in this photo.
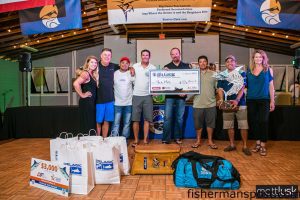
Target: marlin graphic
(126, 7)
(35, 165)
(64, 172)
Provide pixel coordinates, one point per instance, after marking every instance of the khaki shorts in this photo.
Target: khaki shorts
(241, 116)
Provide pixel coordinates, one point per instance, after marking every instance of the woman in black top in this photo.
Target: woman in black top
(85, 85)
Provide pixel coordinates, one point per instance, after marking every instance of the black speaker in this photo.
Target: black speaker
(25, 62)
(296, 61)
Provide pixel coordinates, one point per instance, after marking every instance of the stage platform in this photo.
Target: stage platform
(49, 121)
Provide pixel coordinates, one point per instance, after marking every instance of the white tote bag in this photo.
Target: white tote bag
(120, 142)
(106, 165)
(57, 143)
(82, 178)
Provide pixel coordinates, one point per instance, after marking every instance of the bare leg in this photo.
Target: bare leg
(244, 134)
(231, 136)
(198, 141)
(136, 128)
(146, 131)
(98, 129)
(105, 128)
(209, 135)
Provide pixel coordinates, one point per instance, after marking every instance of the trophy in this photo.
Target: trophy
(237, 81)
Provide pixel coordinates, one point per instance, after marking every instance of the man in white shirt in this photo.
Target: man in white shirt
(142, 100)
(123, 88)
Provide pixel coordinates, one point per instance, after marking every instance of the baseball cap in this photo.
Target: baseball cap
(125, 58)
(230, 57)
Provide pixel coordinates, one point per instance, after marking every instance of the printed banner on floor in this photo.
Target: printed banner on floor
(50, 176)
(282, 14)
(13, 5)
(64, 15)
(157, 11)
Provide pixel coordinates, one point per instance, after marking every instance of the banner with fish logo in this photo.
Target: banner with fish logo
(157, 11)
(282, 14)
(64, 15)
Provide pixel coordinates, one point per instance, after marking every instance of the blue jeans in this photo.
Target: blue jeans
(179, 112)
(123, 112)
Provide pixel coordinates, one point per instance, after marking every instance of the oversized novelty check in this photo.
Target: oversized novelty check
(175, 81)
(51, 176)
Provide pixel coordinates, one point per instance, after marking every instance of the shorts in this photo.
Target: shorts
(142, 104)
(241, 116)
(207, 115)
(105, 112)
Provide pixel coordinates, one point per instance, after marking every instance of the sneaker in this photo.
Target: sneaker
(246, 151)
(178, 141)
(165, 142)
(230, 148)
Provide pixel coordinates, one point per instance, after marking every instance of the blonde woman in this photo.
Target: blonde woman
(86, 85)
(260, 99)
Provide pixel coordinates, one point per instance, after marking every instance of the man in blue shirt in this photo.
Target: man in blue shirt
(105, 92)
(227, 87)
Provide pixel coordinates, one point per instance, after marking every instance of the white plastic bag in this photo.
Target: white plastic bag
(57, 143)
(120, 142)
(82, 179)
(106, 165)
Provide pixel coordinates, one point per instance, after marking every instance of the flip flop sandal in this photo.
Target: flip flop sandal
(134, 144)
(195, 146)
(213, 146)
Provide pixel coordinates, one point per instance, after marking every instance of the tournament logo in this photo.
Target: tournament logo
(104, 165)
(76, 169)
(158, 121)
(49, 15)
(270, 10)
(126, 7)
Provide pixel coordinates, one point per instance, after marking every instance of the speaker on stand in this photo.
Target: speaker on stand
(25, 65)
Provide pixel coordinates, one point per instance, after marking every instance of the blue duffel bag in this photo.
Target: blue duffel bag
(194, 170)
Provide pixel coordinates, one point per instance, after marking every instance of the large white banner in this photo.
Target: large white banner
(157, 11)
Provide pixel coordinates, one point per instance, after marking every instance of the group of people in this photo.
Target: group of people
(111, 93)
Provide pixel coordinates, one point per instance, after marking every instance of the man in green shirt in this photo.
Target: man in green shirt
(205, 104)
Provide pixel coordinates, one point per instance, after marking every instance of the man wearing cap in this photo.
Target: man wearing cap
(105, 92)
(142, 101)
(236, 99)
(123, 88)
